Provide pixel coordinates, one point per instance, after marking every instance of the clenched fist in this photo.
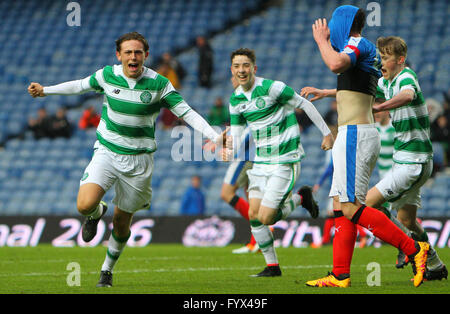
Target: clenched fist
(36, 90)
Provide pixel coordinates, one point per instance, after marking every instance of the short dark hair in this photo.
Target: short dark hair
(392, 45)
(132, 36)
(358, 22)
(244, 52)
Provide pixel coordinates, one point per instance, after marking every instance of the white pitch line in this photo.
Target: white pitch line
(155, 258)
(188, 269)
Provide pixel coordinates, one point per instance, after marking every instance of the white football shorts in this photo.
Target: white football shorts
(401, 185)
(237, 173)
(355, 154)
(131, 174)
(272, 183)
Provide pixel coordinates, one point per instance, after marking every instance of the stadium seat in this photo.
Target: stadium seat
(48, 51)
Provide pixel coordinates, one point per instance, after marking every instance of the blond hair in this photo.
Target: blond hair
(392, 45)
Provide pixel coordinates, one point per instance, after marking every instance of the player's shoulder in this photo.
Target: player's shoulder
(273, 87)
(153, 80)
(361, 42)
(407, 73)
(361, 46)
(152, 74)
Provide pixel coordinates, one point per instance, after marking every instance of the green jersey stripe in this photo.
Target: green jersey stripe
(121, 149)
(261, 114)
(421, 123)
(413, 146)
(386, 156)
(283, 148)
(128, 131)
(237, 99)
(156, 85)
(285, 95)
(262, 90)
(237, 119)
(110, 78)
(386, 143)
(407, 81)
(132, 108)
(94, 83)
(173, 99)
(276, 129)
(379, 93)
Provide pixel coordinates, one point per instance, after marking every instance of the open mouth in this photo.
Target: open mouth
(242, 77)
(133, 66)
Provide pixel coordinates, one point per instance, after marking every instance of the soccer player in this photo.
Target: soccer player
(413, 152)
(354, 58)
(134, 95)
(385, 162)
(267, 107)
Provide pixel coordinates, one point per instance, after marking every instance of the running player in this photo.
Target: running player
(357, 146)
(413, 152)
(268, 108)
(134, 95)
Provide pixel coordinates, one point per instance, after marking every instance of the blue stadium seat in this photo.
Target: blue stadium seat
(48, 51)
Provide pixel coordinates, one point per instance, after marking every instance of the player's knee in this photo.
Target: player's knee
(252, 214)
(85, 207)
(225, 196)
(266, 219)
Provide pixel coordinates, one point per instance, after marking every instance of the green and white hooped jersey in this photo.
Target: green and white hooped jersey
(387, 135)
(268, 109)
(411, 122)
(130, 108)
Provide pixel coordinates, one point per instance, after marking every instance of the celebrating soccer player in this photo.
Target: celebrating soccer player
(413, 152)
(268, 108)
(134, 95)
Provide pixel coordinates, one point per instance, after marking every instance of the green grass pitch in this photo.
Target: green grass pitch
(174, 269)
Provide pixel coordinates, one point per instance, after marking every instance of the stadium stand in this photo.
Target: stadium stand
(42, 176)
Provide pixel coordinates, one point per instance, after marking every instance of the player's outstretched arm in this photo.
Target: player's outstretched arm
(317, 93)
(36, 90)
(75, 87)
